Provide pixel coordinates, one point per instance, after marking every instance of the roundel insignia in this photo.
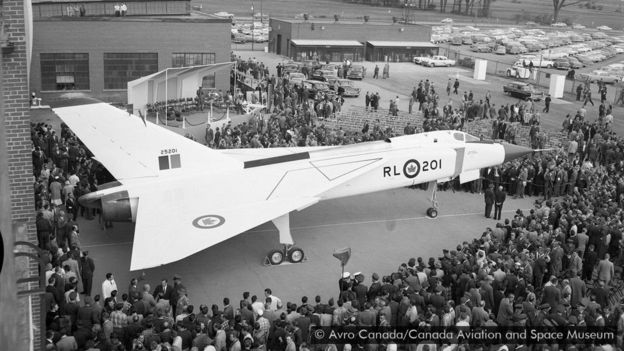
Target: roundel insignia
(208, 221)
(411, 168)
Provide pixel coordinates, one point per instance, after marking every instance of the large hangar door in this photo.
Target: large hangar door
(278, 45)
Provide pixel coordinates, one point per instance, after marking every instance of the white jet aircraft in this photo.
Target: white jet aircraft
(172, 186)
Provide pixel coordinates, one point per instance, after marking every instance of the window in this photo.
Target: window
(192, 59)
(120, 68)
(64, 71)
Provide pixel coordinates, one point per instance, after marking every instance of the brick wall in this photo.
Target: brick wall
(352, 119)
(127, 35)
(16, 119)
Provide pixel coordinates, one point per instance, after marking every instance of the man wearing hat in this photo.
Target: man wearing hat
(360, 289)
(345, 281)
(375, 287)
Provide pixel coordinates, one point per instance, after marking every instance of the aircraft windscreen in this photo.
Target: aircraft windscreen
(471, 137)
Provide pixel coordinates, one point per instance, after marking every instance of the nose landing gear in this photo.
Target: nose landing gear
(432, 212)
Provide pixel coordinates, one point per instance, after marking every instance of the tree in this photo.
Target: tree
(559, 4)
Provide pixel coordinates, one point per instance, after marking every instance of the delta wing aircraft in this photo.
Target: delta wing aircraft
(171, 186)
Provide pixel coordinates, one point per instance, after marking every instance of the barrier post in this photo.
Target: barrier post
(183, 122)
(227, 114)
(156, 116)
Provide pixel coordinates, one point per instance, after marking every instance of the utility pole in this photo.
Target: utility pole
(253, 38)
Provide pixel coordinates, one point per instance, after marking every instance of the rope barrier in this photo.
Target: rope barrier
(193, 125)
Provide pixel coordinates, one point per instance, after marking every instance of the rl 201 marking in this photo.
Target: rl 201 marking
(412, 168)
(208, 221)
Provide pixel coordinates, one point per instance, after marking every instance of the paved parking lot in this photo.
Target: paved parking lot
(404, 76)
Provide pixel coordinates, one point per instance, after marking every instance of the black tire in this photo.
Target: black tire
(276, 257)
(295, 255)
(432, 212)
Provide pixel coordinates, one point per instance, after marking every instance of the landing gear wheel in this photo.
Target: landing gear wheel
(432, 212)
(276, 257)
(295, 255)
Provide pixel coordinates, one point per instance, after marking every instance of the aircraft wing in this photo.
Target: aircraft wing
(181, 218)
(130, 147)
(177, 222)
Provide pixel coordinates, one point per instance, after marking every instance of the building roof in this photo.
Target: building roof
(176, 72)
(330, 20)
(388, 43)
(324, 42)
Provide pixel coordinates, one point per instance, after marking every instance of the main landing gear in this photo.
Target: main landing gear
(288, 253)
(291, 253)
(432, 212)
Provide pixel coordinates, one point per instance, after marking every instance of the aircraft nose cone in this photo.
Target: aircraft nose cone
(514, 151)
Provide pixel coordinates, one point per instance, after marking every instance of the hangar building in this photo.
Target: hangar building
(336, 41)
(98, 52)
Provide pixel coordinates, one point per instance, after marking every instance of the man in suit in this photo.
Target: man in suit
(579, 289)
(489, 200)
(86, 274)
(163, 291)
(551, 294)
(499, 198)
(505, 311)
(605, 269)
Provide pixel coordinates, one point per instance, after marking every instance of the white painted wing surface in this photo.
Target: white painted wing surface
(187, 215)
(169, 229)
(130, 148)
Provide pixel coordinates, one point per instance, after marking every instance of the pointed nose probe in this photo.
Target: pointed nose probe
(514, 151)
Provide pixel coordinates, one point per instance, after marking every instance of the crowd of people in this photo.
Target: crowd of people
(557, 264)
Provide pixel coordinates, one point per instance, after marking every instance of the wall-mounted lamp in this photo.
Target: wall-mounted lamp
(322, 27)
(401, 29)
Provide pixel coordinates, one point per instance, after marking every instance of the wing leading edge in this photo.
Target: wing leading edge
(131, 148)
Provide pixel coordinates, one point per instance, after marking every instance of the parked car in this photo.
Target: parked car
(561, 63)
(322, 74)
(516, 49)
(347, 86)
(585, 60)
(500, 50)
(291, 67)
(599, 75)
(523, 91)
(420, 59)
(481, 47)
(330, 67)
(456, 40)
(296, 77)
(518, 71)
(575, 63)
(467, 61)
(316, 88)
(439, 61)
(356, 72)
(538, 61)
